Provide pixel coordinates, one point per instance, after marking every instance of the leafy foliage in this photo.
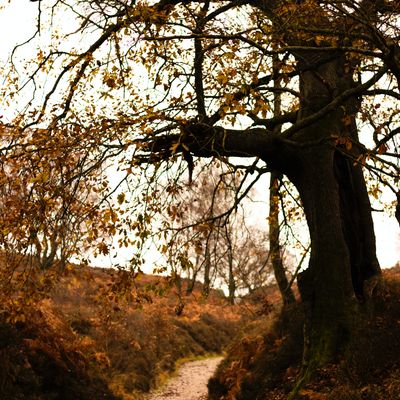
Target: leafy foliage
(126, 84)
(107, 112)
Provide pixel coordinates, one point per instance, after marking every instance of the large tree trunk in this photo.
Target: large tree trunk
(343, 261)
(343, 265)
(325, 287)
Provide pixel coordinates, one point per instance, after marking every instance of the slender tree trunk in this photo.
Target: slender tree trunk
(231, 275)
(274, 245)
(231, 285)
(191, 283)
(192, 279)
(273, 218)
(207, 270)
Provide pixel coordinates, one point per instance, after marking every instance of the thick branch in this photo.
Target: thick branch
(272, 123)
(335, 103)
(205, 141)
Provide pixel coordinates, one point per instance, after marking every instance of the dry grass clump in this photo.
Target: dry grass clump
(258, 362)
(41, 359)
(266, 365)
(98, 336)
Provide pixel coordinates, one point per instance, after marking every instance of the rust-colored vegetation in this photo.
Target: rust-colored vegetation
(87, 340)
(265, 362)
(92, 337)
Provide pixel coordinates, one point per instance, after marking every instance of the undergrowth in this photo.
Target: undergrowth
(265, 362)
(83, 342)
(41, 362)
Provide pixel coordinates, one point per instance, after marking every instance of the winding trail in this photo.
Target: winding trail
(190, 383)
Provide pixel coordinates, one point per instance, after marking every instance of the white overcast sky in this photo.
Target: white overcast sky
(17, 23)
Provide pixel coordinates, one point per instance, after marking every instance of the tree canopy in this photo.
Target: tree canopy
(153, 86)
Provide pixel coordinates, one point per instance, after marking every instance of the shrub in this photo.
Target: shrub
(257, 362)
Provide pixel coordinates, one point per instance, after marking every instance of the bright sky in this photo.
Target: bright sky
(17, 23)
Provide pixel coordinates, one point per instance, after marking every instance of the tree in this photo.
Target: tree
(210, 68)
(248, 266)
(274, 242)
(206, 234)
(273, 217)
(46, 214)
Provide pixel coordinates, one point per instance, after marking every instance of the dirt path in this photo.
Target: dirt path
(190, 383)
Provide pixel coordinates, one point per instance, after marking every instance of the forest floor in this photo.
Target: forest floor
(190, 381)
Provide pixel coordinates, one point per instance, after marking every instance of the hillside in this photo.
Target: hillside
(94, 338)
(264, 362)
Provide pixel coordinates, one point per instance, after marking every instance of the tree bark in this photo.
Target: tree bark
(207, 270)
(274, 245)
(325, 287)
(231, 275)
(343, 262)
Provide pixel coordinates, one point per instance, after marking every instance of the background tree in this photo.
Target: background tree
(273, 217)
(210, 237)
(48, 206)
(210, 68)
